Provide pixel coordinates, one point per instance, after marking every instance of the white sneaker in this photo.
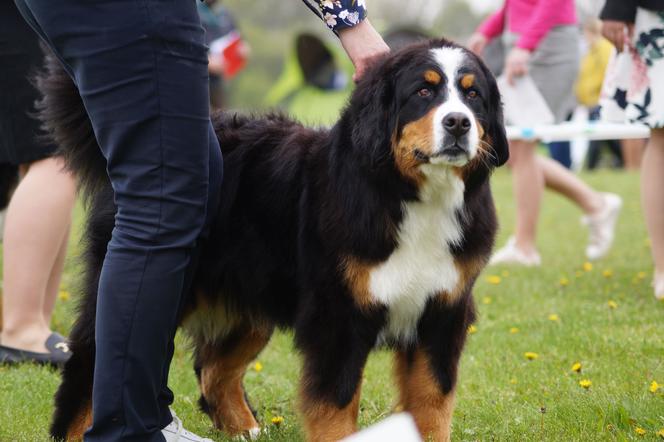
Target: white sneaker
(602, 227)
(658, 285)
(175, 432)
(510, 254)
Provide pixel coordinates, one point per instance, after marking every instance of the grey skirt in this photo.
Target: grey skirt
(554, 66)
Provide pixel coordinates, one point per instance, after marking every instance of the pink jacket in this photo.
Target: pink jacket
(531, 19)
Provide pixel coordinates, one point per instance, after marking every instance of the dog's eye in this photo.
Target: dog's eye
(472, 94)
(424, 92)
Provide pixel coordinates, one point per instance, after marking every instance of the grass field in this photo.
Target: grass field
(604, 317)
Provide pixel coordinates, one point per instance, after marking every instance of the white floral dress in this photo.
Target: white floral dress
(634, 84)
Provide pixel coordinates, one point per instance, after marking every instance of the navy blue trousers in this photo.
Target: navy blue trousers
(141, 69)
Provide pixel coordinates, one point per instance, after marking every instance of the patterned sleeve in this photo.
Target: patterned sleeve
(339, 14)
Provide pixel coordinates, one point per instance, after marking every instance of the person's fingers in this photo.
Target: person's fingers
(630, 31)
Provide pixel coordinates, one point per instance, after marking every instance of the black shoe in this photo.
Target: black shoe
(58, 353)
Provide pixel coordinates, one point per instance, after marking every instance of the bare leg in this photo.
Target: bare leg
(528, 186)
(652, 183)
(53, 285)
(563, 181)
(38, 219)
(632, 151)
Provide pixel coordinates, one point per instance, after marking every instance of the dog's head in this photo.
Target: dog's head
(432, 103)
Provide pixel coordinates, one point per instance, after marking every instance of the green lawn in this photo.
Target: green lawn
(501, 394)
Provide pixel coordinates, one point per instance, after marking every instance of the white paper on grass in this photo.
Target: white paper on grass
(396, 428)
(523, 104)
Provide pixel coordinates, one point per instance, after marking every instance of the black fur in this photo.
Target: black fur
(295, 201)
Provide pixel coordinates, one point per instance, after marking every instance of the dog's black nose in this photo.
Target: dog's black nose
(456, 124)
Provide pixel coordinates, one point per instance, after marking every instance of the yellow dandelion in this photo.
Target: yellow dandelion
(654, 386)
(585, 383)
(607, 273)
(63, 295)
(487, 300)
(660, 433)
(563, 281)
(641, 275)
(514, 330)
(505, 273)
(587, 266)
(277, 420)
(258, 367)
(513, 381)
(554, 317)
(576, 367)
(640, 431)
(472, 329)
(493, 279)
(612, 304)
(530, 355)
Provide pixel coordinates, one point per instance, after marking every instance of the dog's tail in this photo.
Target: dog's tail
(67, 123)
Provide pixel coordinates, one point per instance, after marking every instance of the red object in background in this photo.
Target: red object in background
(233, 51)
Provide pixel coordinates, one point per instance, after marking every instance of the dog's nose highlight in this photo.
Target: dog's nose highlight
(456, 123)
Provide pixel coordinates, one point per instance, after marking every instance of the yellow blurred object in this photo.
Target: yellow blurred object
(591, 74)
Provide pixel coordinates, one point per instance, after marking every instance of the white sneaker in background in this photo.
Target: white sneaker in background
(175, 432)
(658, 285)
(510, 254)
(602, 226)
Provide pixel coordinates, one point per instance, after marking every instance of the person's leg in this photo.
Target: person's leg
(53, 285)
(141, 70)
(601, 209)
(652, 200)
(37, 223)
(561, 180)
(632, 151)
(528, 186)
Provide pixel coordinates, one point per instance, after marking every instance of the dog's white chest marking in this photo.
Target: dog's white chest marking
(422, 265)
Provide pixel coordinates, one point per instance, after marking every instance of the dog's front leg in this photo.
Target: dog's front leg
(426, 372)
(334, 357)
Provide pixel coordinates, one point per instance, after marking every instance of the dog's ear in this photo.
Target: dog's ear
(496, 122)
(374, 113)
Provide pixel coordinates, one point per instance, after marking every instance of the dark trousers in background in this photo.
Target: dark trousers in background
(141, 69)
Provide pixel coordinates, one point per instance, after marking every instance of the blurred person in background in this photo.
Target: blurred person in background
(542, 40)
(588, 86)
(635, 93)
(141, 69)
(227, 53)
(38, 218)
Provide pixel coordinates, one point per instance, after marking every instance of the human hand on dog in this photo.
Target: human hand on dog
(362, 44)
(616, 31)
(516, 64)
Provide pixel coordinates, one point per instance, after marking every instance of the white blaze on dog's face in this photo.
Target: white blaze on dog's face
(456, 131)
(443, 98)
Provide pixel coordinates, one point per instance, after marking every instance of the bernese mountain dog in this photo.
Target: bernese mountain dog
(368, 234)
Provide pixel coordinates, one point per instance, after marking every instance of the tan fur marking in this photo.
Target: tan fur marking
(467, 81)
(357, 274)
(421, 395)
(221, 382)
(415, 135)
(80, 424)
(468, 270)
(324, 422)
(432, 77)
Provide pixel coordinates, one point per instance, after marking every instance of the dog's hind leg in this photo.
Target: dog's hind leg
(220, 367)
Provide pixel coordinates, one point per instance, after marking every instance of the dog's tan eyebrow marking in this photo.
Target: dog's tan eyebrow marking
(431, 76)
(467, 81)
